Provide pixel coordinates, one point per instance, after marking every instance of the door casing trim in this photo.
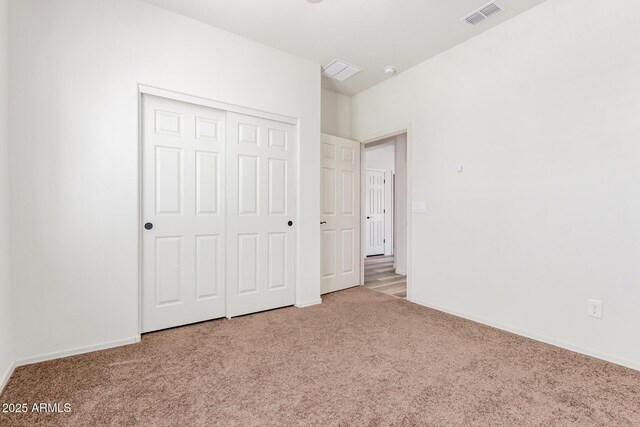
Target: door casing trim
(375, 137)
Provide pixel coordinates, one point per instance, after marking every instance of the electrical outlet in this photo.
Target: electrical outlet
(419, 207)
(594, 308)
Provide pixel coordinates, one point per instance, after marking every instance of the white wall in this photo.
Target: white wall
(543, 113)
(74, 112)
(400, 215)
(336, 114)
(6, 336)
(382, 158)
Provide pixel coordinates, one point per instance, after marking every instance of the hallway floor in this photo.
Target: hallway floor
(380, 276)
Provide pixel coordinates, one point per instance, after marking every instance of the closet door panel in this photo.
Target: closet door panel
(183, 213)
(260, 207)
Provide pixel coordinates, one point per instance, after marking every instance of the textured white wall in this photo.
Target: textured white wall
(76, 66)
(543, 113)
(336, 114)
(6, 336)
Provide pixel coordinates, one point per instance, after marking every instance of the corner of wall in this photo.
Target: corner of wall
(336, 114)
(6, 375)
(7, 356)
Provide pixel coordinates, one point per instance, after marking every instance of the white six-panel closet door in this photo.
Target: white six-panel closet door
(261, 214)
(183, 208)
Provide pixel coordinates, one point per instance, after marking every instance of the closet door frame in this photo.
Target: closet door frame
(229, 108)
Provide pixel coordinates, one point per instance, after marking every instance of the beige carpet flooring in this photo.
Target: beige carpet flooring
(361, 358)
(380, 276)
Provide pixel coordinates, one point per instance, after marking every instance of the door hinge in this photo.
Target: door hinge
(384, 240)
(384, 211)
(384, 181)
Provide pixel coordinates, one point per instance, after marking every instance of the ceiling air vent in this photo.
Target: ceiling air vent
(483, 13)
(340, 70)
(490, 9)
(475, 18)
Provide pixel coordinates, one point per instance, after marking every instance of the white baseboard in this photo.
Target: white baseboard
(402, 272)
(76, 351)
(547, 340)
(4, 379)
(309, 303)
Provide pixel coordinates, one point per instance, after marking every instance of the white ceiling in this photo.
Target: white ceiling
(367, 33)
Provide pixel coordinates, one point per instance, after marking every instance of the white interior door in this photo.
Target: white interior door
(374, 214)
(183, 182)
(261, 212)
(340, 213)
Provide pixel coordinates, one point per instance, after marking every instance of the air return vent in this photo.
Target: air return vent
(483, 13)
(340, 70)
(475, 18)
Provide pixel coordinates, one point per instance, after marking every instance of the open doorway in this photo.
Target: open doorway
(384, 215)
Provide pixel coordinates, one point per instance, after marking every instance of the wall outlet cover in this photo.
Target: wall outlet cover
(594, 308)
(419, 207)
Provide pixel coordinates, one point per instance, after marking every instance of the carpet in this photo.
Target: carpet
(361, 358)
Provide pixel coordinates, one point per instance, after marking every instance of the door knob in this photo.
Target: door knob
(323, 222)
(290, 223)
(148, 226)
(368, 217)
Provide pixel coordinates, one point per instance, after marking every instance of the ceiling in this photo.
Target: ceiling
(367, 33)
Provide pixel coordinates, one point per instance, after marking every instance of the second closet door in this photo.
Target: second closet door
(261, 214)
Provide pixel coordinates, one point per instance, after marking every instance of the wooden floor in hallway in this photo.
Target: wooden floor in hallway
(380, 275)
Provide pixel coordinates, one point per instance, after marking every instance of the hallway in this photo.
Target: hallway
(380, 276)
